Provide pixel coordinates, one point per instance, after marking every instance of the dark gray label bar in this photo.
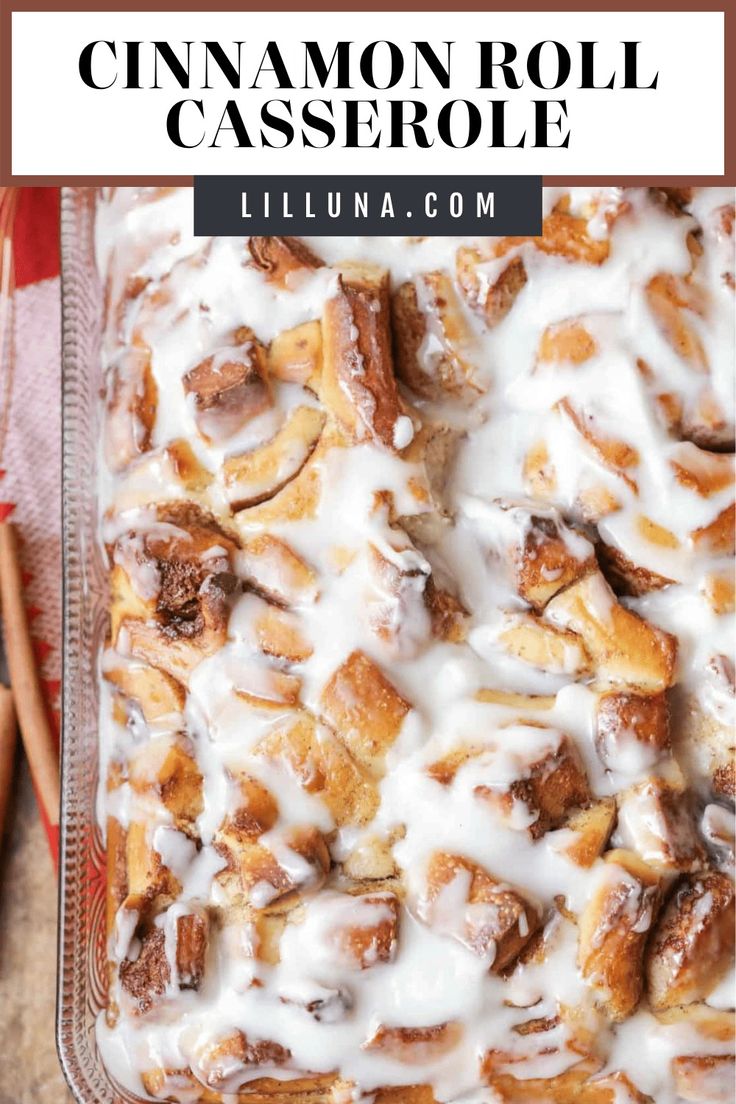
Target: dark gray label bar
(380, 205)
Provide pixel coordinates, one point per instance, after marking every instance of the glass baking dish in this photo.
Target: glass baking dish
(81, 970)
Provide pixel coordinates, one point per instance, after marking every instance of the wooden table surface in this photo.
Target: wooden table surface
(29, 1068)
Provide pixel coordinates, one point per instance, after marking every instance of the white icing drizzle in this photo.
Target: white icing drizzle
(207, 290)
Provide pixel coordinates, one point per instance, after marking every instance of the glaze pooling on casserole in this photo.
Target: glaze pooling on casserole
(417, 706)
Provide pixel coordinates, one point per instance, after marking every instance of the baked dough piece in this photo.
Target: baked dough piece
(416, 712)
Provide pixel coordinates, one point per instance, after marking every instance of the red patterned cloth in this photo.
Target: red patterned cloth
(30, 428)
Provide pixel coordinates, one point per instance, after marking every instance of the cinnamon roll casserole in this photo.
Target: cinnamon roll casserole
(417, 701)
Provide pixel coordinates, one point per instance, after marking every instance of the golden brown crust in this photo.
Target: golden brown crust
(180, 1085)
(225, 1065)
(693, 943)
(718, 536)
(707, 423)
(546, 646)
(623, 716)
(624, 647)
(165, 767)
(625, 576)
(178, 645)
(269, 1090)
(254, 874)
(679, 198)
(151, 885)
(146, 979)
(156, 693)
(405, 1094)
(415, 1045)
(719, 588)
(364, 709)
(705, 473)
(279, 634)
(369, 943)
(491, 298)
(567, 342)
(358, 382)
(552, 786)
(580, 1084)
(256, 810)
(428, 308)
(497, 932)
(447, 614)
(711, 1024)
(192, 936)
(117, 871)
(592, 827)
(323, 766)
(228, 389)
(544, 562)
(614, 927)
(278, 258)
(563, 235)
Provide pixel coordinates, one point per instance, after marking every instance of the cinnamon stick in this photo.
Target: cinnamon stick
(30, 707)
(7, 750)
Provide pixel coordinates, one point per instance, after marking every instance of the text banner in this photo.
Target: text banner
(402, 205)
